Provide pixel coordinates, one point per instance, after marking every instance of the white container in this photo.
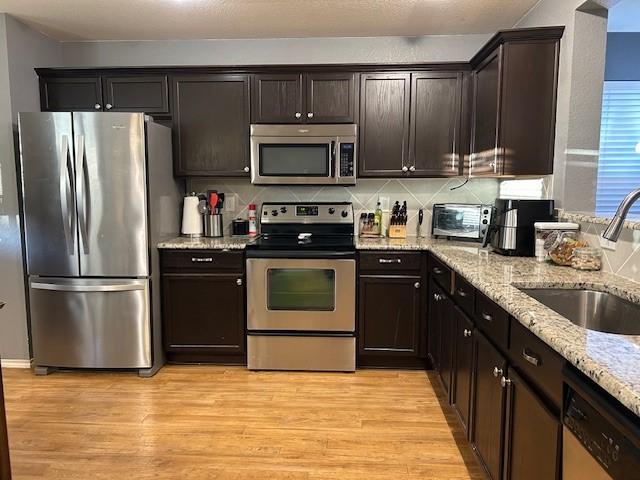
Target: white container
(547, 233)
(191, 217)
(253, 221)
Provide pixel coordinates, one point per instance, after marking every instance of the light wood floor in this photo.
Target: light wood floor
(203, 422)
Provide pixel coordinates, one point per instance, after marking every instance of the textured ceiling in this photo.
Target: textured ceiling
(195, 19)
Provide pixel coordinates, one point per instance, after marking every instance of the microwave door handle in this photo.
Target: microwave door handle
(332, 154)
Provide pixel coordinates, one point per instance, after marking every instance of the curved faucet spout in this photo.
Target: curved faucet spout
(612, 232)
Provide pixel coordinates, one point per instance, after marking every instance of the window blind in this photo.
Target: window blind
(619, 162)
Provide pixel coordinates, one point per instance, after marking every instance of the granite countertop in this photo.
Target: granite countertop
(612, 361)
(205, 243)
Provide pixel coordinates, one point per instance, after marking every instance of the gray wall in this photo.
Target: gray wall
(439, 48)
(20, 50)
(623, 56)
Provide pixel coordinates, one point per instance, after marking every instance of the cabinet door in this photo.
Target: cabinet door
(446, 311)
(384, 124)
(463, 368)
(435, 124)
(391, 326)
(149, 94)
(211, 125)
(488, 405)
(330, 98)
(532, 434)
(203, 313)
(68, 94)
(436, 297)
(276, 98)
(485, 159)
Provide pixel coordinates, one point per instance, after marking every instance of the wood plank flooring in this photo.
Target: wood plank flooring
(222, 423)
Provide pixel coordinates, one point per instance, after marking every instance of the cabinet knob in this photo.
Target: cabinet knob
(108, 106)
(466, 332)
(405, 169)
(438, 297)
(97, 106)
(239, 282)
(310, 115)
(505, 382)
(412, 168)
(298, 115)
(416, 285)
(246, 169)
(497, 372)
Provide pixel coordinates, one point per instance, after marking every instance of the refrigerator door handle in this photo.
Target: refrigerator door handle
(116, 287)
(83, 195)
(66, 198)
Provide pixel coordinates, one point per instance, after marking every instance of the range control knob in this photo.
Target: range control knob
(283, 209)
(344, 214)
(332, 210)
(274, 213)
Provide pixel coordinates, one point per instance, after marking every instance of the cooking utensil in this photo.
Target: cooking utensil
(213, 202)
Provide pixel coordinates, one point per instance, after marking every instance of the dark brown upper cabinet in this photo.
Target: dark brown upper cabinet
(211, 125)
(303, 98)
(384, 124)
(149, 94)
(435, 146)
(514, 103)
(62, 94)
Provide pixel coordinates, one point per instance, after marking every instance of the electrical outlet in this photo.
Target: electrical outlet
(230, 202)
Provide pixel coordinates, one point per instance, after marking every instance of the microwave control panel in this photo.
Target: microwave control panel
(347, 159)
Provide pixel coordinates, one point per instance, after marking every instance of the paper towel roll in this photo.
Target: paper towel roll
(191, 218)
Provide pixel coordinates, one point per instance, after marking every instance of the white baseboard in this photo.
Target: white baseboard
(15, 363)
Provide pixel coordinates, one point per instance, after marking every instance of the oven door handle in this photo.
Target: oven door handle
(300, 254)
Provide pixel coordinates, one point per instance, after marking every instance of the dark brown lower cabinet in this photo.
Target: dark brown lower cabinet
(463, 367)
(447, 314)
(389, 315)
(5, 466)
(433, 324)
(203, 316)
(488, 406)
(532, 434)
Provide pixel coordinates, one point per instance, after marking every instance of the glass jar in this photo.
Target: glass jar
(548, 233)
(587, 258)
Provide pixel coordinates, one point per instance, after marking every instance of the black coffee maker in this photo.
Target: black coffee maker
(511, 231)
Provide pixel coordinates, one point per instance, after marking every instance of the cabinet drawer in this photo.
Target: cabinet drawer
(390, 261)
(492, 319)
(463, 294)
(538, 362)
(185, 261)
(440, 273)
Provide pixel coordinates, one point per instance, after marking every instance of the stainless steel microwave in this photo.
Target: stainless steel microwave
(304, 154)
(460, 221)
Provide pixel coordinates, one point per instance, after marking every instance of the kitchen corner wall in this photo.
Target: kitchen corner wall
(21, 49)
(419, 193)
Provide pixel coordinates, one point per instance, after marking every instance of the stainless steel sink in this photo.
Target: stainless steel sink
(590, 309)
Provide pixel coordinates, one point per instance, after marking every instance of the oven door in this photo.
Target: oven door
(304, 294)
(461, 221)
(293, 160)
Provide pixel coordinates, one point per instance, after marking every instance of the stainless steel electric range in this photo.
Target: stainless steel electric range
(301, 288)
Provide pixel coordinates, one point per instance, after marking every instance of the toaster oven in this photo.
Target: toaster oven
(460, 221)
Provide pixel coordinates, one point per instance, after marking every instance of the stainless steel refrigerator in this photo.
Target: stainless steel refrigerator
(97, 193)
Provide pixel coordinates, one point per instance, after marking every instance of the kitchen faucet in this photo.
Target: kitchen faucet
(612, 233)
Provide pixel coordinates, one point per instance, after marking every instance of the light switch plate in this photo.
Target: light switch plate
(230, 202)
(384, 203)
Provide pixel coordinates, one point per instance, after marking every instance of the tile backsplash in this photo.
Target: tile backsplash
(419, 193)
(625, 259)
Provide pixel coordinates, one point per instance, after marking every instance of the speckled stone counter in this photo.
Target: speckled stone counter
(205, 243)
(612, 361)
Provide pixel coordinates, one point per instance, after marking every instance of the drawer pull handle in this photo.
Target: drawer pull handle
(497, 372)
(437, 271)
(466, 332)
(532, 359)
(389, 260)
(486, 316)
(202, 259)
(461, 293)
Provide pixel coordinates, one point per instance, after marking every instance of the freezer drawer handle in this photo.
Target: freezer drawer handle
(88, 288)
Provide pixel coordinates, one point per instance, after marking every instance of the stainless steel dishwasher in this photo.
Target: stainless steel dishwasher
(601, 438)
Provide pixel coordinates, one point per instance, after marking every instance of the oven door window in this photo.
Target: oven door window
(301, 289)
(294, 160)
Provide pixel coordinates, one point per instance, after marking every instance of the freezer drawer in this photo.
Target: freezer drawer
(90, 323)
